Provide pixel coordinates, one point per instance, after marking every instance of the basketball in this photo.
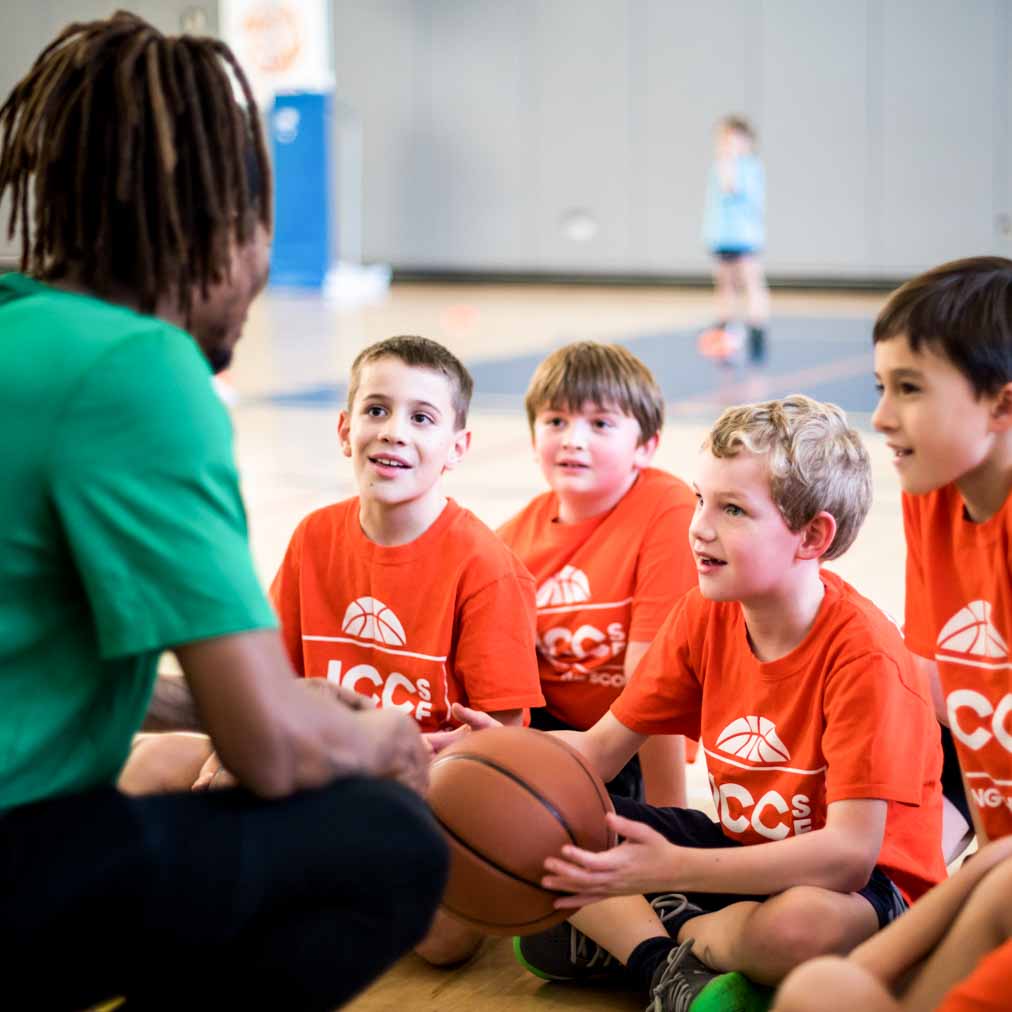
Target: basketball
(507, 798)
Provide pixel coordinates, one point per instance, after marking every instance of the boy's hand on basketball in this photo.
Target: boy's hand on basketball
(476, 720)
(644, 862)
(470, 720)
(395, 748)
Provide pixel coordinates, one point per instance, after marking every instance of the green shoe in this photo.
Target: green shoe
(684, 983)
(733, 992)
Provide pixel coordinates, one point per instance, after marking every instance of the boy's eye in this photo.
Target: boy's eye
(733, 511)
(880, 389)
(603, 423)
(554, 422)
(421, 418)
(375, 410)
(909, 388)
(699, 500)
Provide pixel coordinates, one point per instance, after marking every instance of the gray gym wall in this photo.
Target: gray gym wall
(884, 126)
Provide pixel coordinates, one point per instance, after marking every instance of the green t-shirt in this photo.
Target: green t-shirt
(122, 529)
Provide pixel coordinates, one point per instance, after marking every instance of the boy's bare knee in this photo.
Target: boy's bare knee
(830, 984)
(448, 942)
(801, 924)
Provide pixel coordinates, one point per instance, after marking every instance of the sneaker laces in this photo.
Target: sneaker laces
(668, 905)
(672, 992)
(584, 951)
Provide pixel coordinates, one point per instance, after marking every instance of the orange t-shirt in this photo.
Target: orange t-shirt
(602, 583)
(987, 988)
(959, 614)
(844, 715)
(446, 618)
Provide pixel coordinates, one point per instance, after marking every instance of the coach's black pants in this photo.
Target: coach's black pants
(213, 901)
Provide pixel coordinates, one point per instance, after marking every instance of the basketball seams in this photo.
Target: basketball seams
(492, 764)
(492, 863)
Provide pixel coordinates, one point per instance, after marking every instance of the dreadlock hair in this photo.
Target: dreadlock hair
(140, 167)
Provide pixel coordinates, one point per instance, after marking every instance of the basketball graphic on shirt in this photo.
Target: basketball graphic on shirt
(369, 619)
(753, 738)
(569, 586)
(970, 631)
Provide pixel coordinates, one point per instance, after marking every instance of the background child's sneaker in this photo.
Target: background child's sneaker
(721, 343)
(564, 954)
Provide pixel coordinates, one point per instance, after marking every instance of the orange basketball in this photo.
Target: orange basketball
(507, 798)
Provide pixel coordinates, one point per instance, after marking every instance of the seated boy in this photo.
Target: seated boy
(943, 361)
(952, 952)
(819, 733)
(608, 545)
(399, 594)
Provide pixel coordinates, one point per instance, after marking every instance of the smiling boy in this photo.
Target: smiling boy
(943, 361)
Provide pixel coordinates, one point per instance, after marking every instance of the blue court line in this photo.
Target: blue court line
(826, 358)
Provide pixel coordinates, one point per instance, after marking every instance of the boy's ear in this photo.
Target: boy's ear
(344, 432)
(1001, 411)
(645, 451)
(461, 444)
(817, 535)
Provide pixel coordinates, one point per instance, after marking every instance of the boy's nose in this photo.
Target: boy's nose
(882, 417)
(575, 436)
(699, 530)
(392, 429)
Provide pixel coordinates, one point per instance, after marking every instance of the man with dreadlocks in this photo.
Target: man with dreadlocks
(141, 189)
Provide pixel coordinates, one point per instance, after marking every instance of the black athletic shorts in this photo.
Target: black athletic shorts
(690, 828)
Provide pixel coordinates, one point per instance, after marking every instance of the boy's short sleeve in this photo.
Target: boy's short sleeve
(867, 702)
(286, 596)
(495, 656)
(665, 694)
(144, 484)
(664, 572)
(917, 631)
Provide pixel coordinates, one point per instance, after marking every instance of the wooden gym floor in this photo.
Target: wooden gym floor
(289, 380)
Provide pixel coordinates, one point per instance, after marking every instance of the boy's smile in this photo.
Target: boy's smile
(937, 428)
(401, 435)
(590, 457)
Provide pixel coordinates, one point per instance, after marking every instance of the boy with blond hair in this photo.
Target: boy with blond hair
(607, 545)
(827, 827)
(943, 362)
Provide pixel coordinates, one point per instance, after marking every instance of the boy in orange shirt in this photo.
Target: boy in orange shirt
(608, 545)
(828, 827)
(399, 593)
(943, 362)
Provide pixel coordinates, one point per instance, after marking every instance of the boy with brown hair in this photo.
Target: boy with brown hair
(943, 362)
(398, 594)
(827, 828)
(607, 545)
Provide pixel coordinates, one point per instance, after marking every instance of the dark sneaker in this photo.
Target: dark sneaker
(684, 983)
(564, 954)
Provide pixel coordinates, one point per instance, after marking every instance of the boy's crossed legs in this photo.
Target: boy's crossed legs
(761, 937)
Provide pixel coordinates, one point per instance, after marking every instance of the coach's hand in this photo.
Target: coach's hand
(395, 748)
(470, 720)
